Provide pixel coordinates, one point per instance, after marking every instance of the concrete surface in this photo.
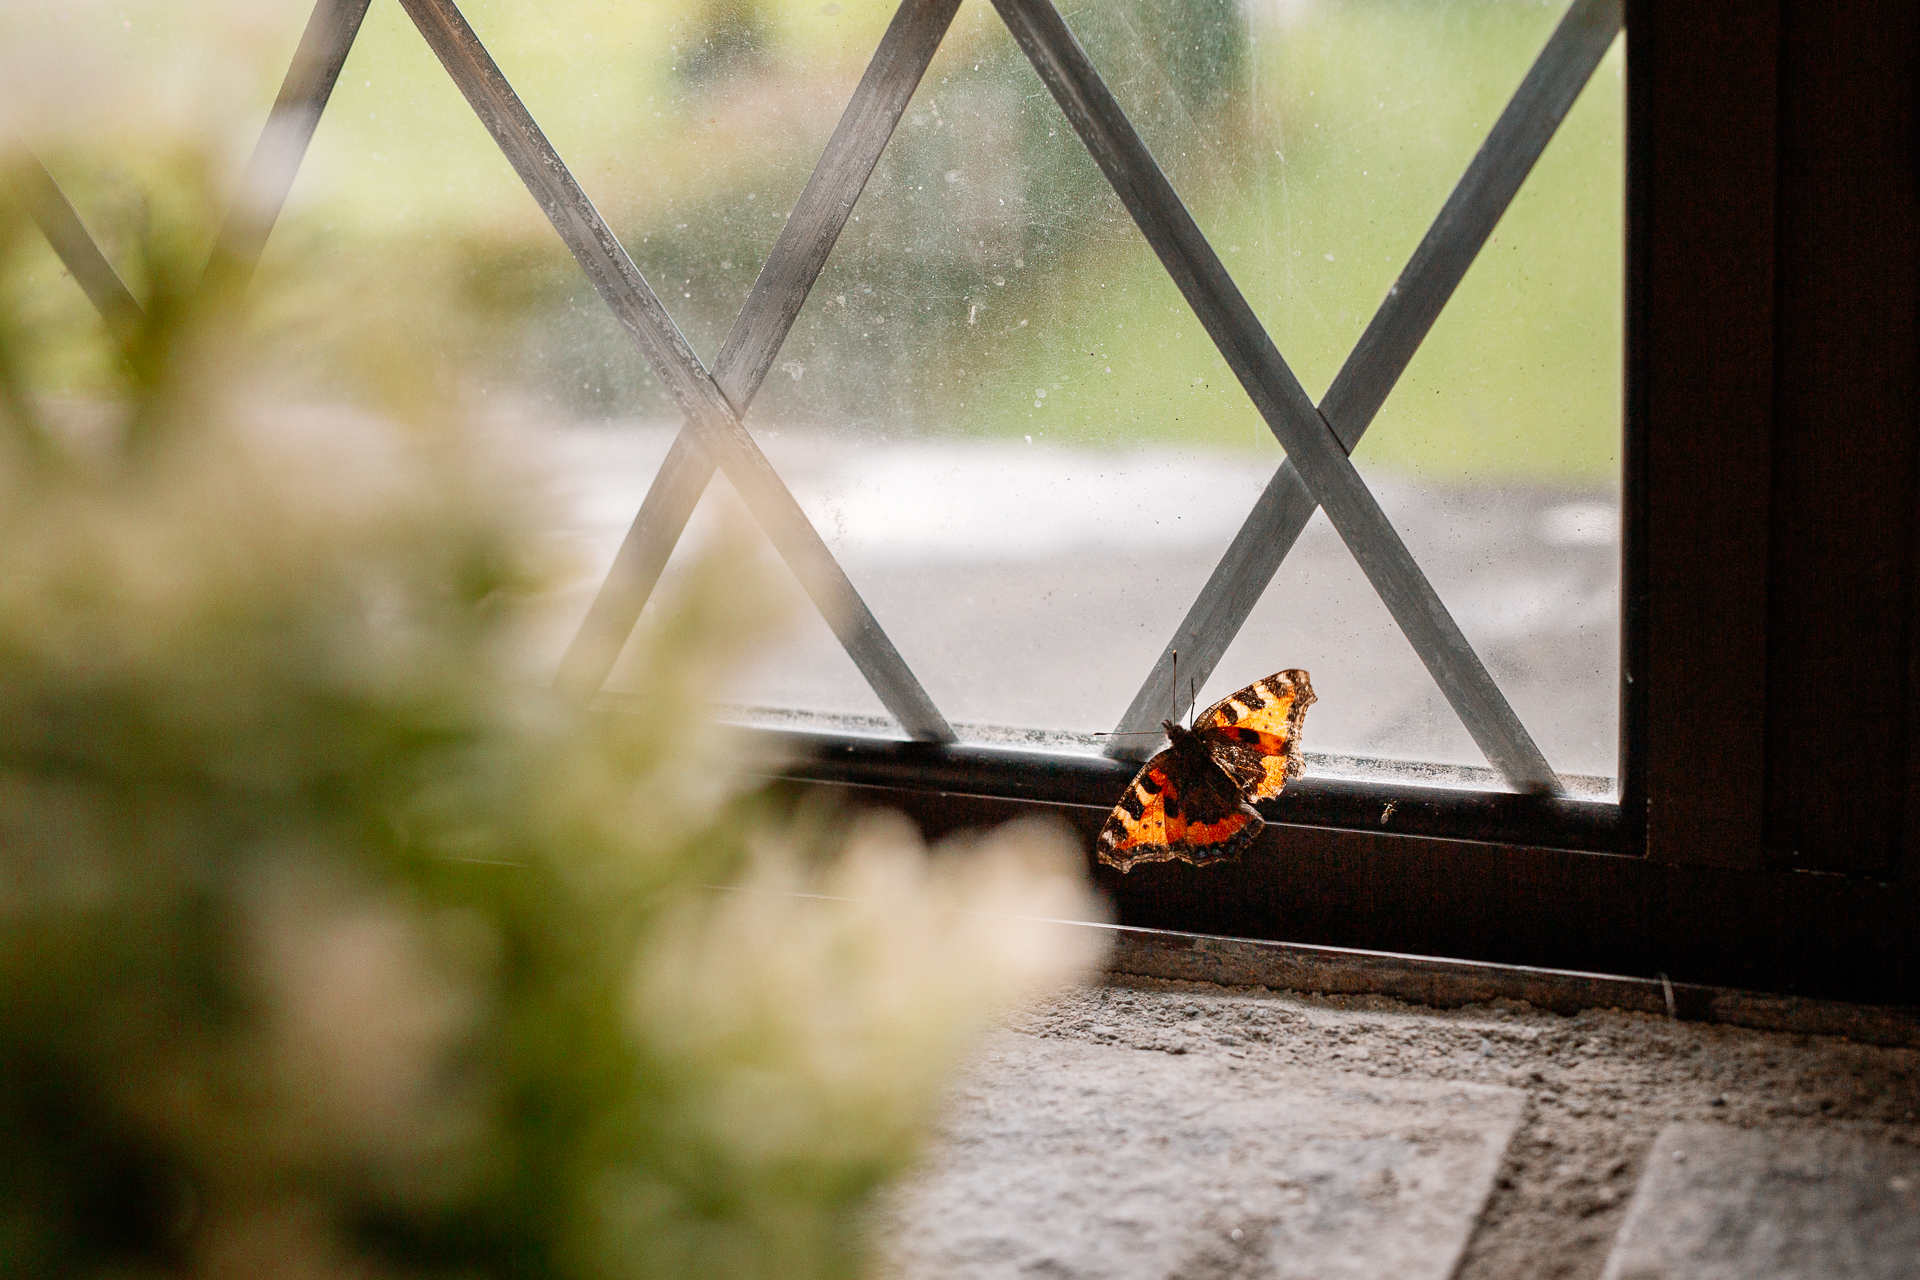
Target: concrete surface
(1069, 1158)
(1780, 1203)
(1598, 1088)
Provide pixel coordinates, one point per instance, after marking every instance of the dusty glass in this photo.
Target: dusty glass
(995, 405)
(1028, 454)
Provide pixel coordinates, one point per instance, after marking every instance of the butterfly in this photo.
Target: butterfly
(1193, 801)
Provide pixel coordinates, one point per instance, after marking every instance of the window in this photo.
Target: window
(1017, 400)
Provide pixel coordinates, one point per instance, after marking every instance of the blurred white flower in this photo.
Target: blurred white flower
(817, 1010)
(337, 940)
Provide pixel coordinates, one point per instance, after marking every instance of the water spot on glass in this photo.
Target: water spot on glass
(1580, 524)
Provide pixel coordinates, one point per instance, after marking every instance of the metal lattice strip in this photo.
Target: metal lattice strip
(1309, 442)
(761, 327)
(264, 185)
(276, 158)
(1366, 379)
(77, 250)
(634, 303)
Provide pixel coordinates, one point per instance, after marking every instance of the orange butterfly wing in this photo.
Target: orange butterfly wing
(1255, 734)
(1164, 816)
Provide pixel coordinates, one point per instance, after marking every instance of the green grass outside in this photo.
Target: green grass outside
(1520, 378)
(1314, 160)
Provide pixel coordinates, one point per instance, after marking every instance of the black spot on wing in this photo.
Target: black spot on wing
(1204, 855)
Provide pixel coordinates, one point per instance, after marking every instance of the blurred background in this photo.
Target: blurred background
(995, 405)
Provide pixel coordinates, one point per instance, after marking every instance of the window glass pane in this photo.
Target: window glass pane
(1030, 456)
(691, 126)
(995, 405)
(1498, 453)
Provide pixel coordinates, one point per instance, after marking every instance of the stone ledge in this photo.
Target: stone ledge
(1447, 984)
(1069, 1158)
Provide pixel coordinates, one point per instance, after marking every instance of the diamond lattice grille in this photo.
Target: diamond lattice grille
(1317, 439)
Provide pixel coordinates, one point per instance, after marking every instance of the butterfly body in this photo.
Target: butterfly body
(1194, 801)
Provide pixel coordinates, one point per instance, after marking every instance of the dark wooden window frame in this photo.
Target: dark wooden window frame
(1770, 805)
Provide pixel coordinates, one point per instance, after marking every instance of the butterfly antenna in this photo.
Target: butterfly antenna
(1193, 698)
(1175, 708)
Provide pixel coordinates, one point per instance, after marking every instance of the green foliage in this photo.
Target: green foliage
(334, 941)
(1314, 140)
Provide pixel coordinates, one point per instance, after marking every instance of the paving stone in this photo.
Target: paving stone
(1720, 1203)
(1065, 1158)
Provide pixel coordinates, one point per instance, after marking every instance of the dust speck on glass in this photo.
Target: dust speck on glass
(995, 404)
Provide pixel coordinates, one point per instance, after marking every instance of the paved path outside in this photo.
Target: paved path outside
(1033, 586)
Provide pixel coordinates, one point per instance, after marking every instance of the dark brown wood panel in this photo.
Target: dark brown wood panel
(1848, 295)
(1700, 410)
(1771, 930)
